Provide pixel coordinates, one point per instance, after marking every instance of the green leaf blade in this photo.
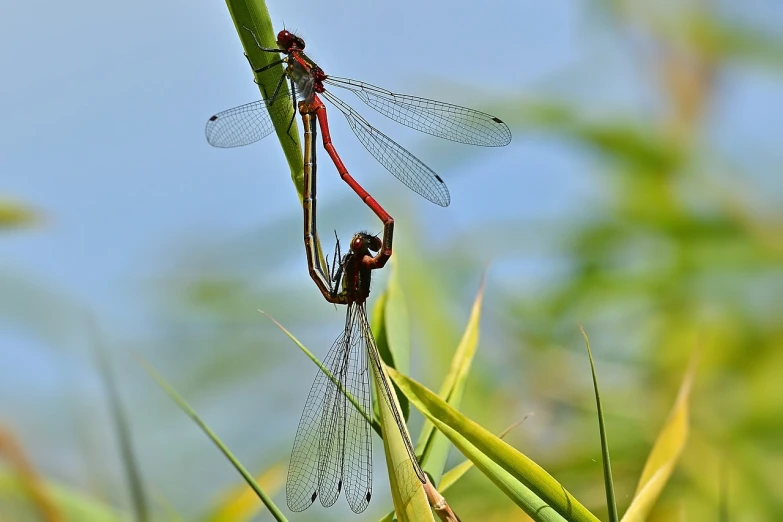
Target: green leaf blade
(190, 412)
(254, 15)
(465, 433)
(611, 502)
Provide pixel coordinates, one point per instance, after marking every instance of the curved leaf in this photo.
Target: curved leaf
(454, 474)
(665, 453)
(527, 483)
(33, 485)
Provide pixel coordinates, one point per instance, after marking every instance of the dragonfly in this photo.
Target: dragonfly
(251, 122)
(332, 449)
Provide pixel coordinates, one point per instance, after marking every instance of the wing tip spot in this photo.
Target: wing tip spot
(497, 120)
(313, 497)
(213, 118)
(439, 178)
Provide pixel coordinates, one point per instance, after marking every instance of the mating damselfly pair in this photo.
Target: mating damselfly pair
(332, 449)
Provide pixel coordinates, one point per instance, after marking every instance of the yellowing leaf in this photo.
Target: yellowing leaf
(664, 455)
(74, 505)
(241, 502)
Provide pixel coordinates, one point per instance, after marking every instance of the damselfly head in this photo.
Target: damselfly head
(363, 242)
(287, 40)
(358, 244)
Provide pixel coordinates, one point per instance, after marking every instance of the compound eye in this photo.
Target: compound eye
(357, 243)
(375, 243)
(284, 39)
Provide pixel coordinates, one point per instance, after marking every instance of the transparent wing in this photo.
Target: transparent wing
(245, 124)
(332, 449)
(402, 164)
(358, 444)
(440, 119)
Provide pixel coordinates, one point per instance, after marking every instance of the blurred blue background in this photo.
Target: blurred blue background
(641, 195)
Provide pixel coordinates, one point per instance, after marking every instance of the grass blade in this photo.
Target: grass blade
(611, 503)
(457, 472)
(254, 15)
(239, 504)
(121, 430)
(29, 479)
(214, 438)
(375, 426)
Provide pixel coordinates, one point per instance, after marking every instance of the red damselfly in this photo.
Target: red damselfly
(332, 449)
(251, 122)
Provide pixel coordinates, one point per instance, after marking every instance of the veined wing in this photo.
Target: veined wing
(332, 449)
(444, 120)
(246, 123)
(402, 164)
(357, 470)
